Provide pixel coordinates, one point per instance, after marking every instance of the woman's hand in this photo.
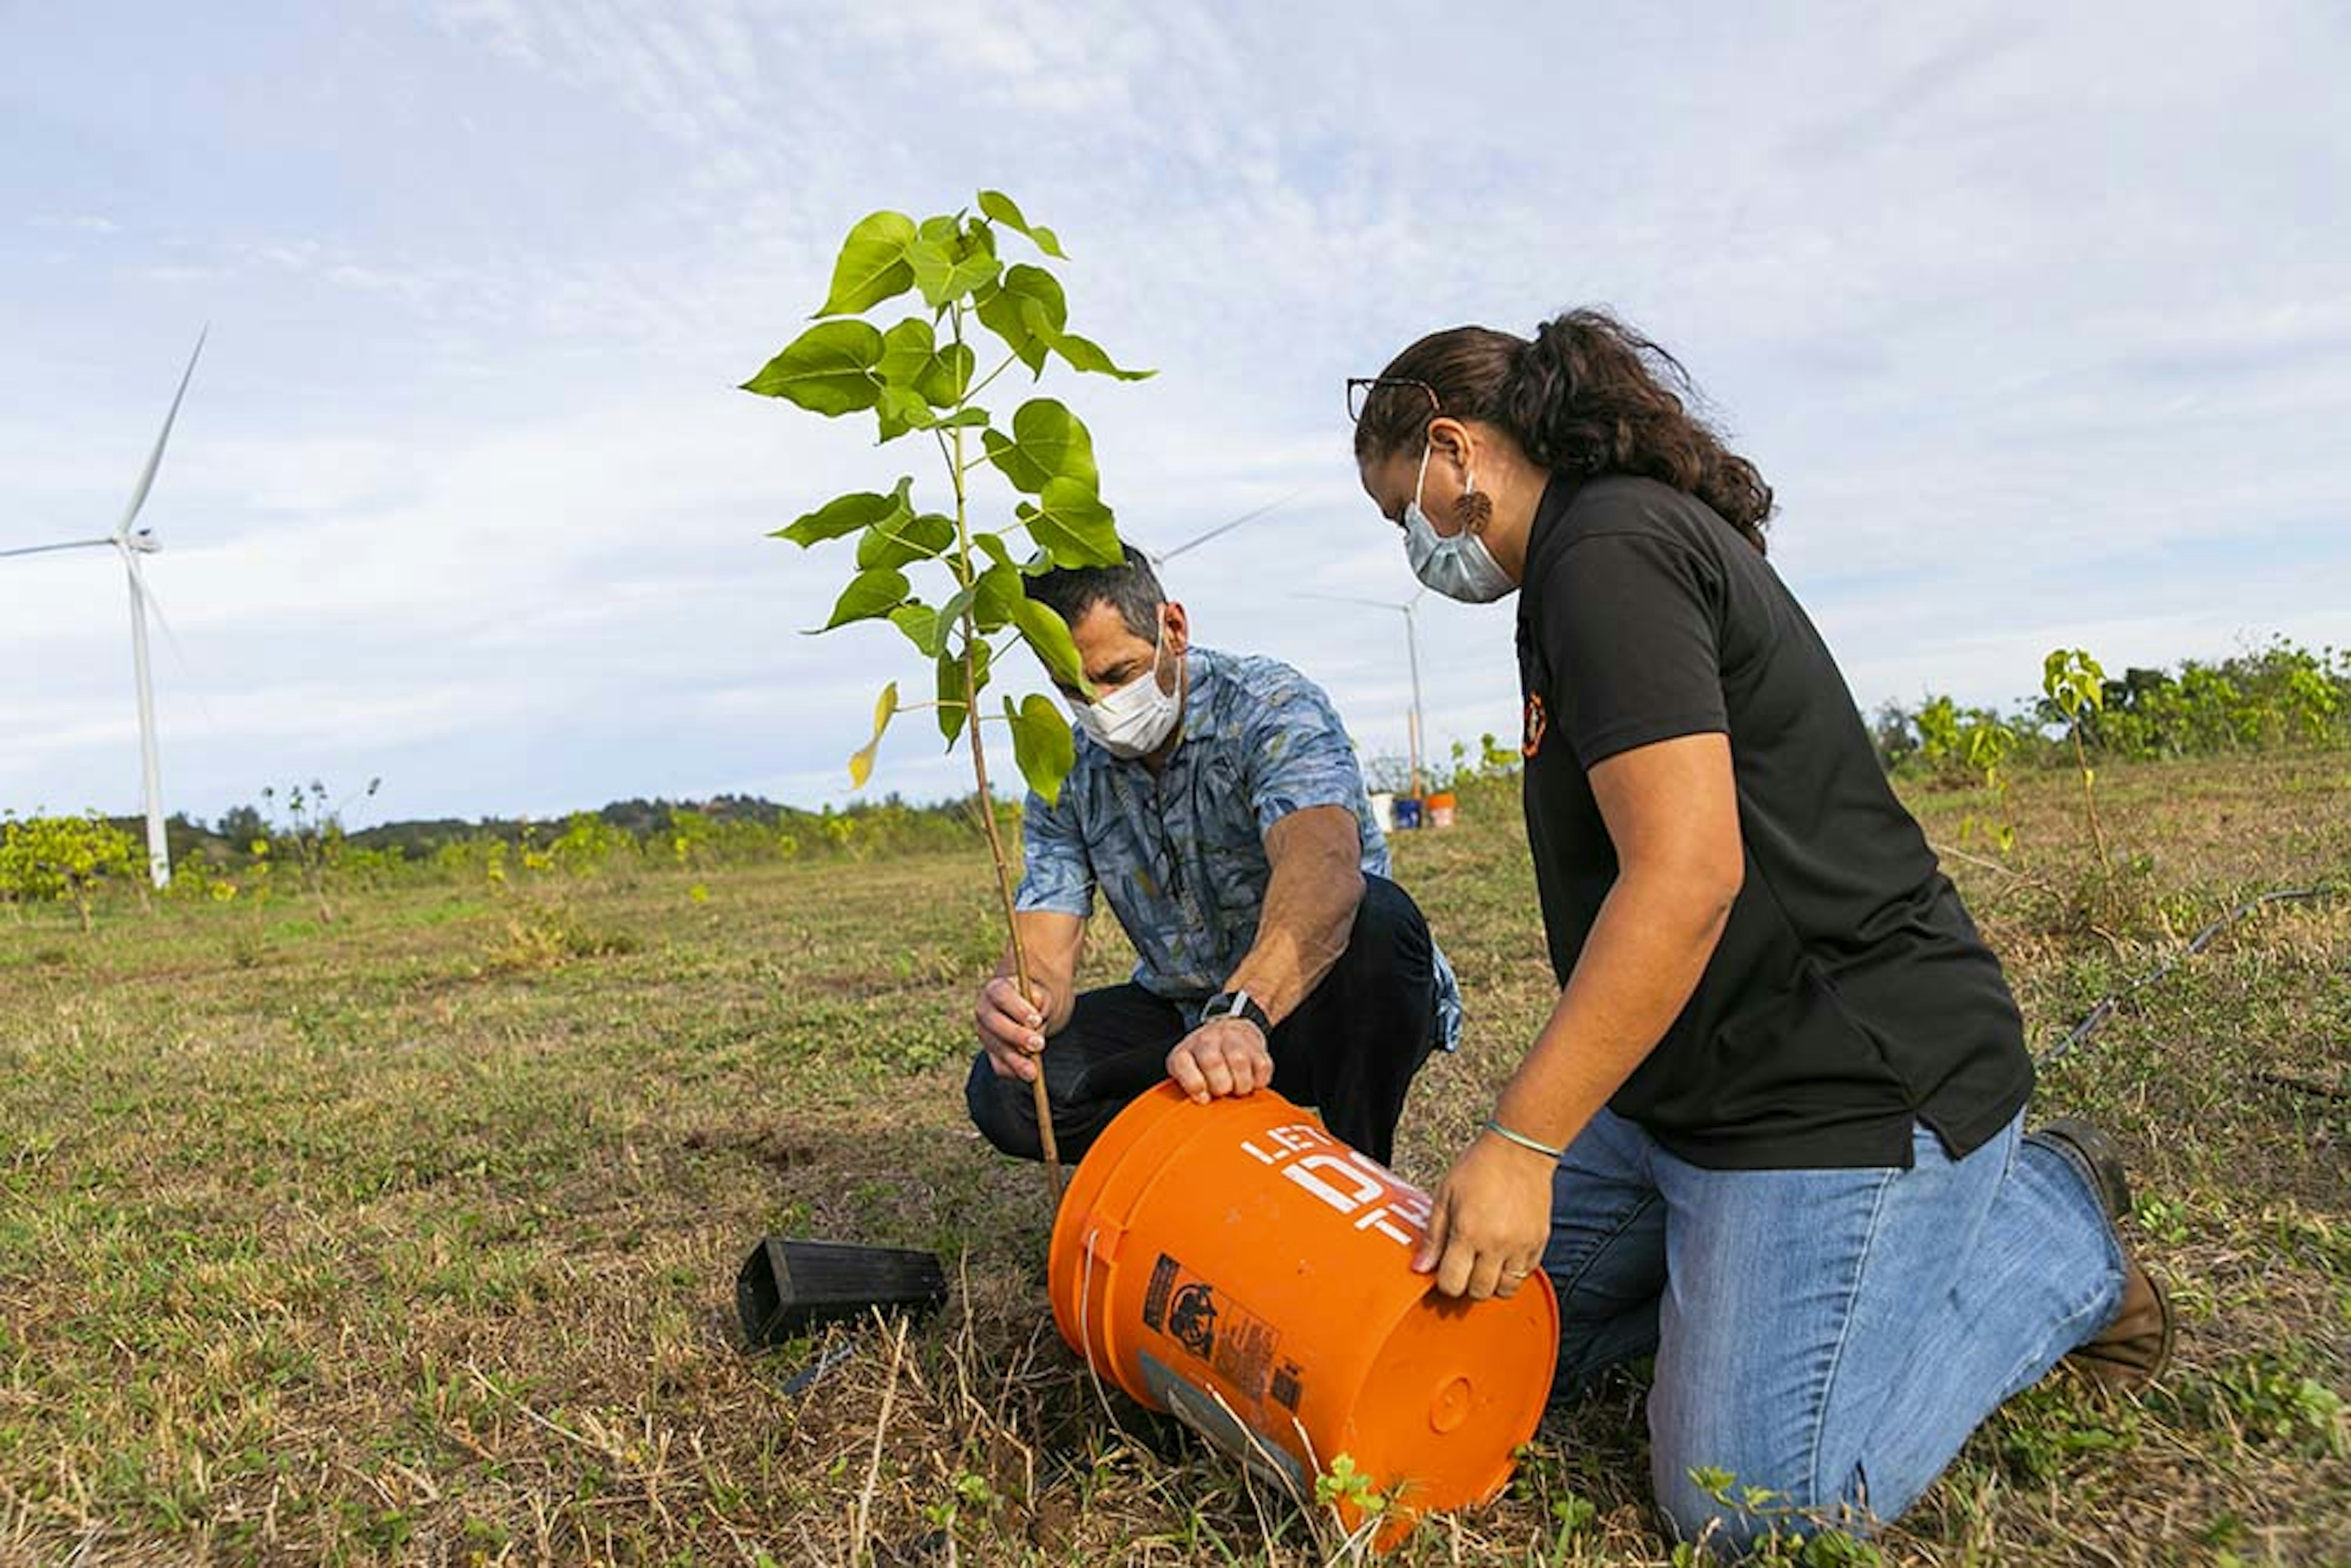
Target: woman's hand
(1490, 1220)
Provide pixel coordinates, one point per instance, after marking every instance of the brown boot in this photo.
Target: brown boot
(2129, 1352)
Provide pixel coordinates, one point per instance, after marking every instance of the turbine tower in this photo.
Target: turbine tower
(1409, 609)
(130, 541)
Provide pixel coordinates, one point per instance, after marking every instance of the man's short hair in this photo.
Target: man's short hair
(1130, 588)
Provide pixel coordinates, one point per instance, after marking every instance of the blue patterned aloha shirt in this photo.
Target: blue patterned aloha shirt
(1181, 856)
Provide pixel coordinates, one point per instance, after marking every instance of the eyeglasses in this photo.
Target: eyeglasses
(1361, 388)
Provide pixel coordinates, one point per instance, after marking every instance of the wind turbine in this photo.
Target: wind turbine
(130, 542)
(1408, 608)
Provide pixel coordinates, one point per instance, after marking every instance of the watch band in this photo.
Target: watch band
(1240, 1005)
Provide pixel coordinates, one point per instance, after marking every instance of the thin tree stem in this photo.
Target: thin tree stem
(2089, 805)
(973, 391)
(971, 641)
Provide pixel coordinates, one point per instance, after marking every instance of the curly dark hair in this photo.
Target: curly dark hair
(1586, 395)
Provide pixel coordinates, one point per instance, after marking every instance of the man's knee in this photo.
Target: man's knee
(1003, 1109)
(1390, 960)
(1390, 929)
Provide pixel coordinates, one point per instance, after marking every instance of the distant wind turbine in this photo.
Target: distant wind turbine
(132, 542)
(1407, 608)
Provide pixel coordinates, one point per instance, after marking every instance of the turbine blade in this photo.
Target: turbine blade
(44, 550)
(155, 458)
(1222, 528)
(1351, 598)
(154, 607)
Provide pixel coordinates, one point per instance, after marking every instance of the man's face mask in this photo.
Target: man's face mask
(1132, 720)
(1457, 566)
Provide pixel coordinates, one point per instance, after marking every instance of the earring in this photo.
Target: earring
(1474, 510)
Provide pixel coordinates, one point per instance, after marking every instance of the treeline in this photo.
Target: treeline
(295, 846)
(724, 828)
(2279, 695)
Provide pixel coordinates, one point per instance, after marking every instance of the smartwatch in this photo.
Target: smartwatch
(1236, 1005)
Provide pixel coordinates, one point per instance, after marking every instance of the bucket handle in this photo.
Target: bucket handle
(1086, 1321)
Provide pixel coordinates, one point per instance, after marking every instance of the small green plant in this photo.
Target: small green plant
(2075, 683)
(1937, 722)
(922, 374)
(311, 834)
(968, 1490)
(1492, 761)
(2041, 1432)
(1793, 1537)
(1344, 1485)
(46, 859)
(2274, 1402)
(1573, 1515)
(1985, 744)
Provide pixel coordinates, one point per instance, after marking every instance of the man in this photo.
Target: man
(1216, 804)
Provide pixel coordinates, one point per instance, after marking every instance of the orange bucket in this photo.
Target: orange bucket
(1236, 1264)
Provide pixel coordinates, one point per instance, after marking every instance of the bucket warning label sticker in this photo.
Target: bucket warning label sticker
(1236, 1342)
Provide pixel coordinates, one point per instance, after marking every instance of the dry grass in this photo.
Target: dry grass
(412, 1238)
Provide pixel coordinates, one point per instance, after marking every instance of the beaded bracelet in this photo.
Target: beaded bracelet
(1500, 1131)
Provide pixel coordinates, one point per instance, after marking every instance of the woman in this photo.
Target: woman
(1772, 1130)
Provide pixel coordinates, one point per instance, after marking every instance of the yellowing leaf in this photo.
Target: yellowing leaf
(860, 762)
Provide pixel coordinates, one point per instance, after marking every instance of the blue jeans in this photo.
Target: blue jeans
(1832, 1336)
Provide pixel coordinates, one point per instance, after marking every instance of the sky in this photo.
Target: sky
(2037, 319)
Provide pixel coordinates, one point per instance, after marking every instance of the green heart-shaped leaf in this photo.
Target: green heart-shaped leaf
(920, 622)
(1048, 442)
(846, 514)
(1084, 354)
(1001, 208)
(948, 376)
(827, 370)
(956, 691)
(1071, 522)
(1027, 309)
(1048, 636)
(900, 410)
(903, 541)
(868, 595)
(872, 266)
(996, 597)
(948, 265)
(907, 350)
(1041, 745)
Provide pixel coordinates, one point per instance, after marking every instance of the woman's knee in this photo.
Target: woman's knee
(1730, 1497)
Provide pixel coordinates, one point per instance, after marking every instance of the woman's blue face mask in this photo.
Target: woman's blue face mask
(1457, 566)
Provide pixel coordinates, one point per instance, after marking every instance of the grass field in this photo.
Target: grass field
(412, 1238)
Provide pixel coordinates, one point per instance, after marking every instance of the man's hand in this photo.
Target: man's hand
(1489, 1221)
(1224, 1056)
(1011, 1031)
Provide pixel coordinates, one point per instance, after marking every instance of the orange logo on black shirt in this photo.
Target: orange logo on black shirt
(1538, 721)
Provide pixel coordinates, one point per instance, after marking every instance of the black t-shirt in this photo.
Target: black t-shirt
(1850, 995)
